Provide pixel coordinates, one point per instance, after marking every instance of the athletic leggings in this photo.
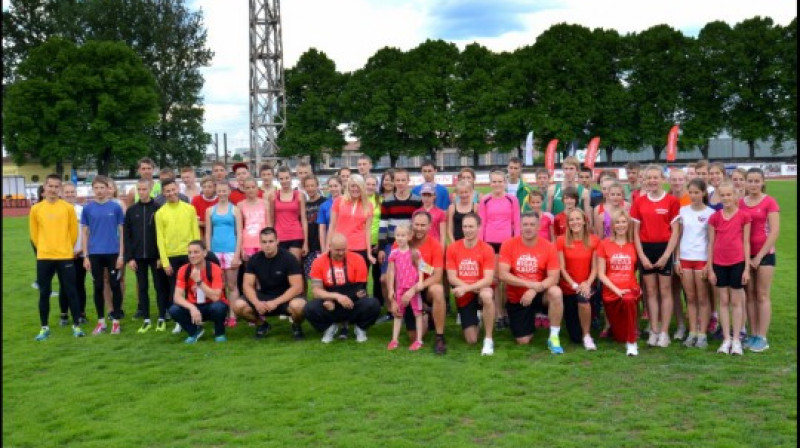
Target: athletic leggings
(100, 263)
(143, 265)
(622, 315)
(45, 270)
(80, 289)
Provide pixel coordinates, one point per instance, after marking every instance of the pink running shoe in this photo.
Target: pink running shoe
(392, 345)
(99, 329)
(605, 334)
(545, 322)
(537, 323)
(713, 323)
(115, 327)
(415, 346)
(230, 322)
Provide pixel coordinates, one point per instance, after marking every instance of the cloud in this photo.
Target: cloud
(471, 19)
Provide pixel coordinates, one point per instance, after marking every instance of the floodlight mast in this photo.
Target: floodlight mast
(267, 90)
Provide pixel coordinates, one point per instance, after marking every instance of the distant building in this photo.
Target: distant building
(32, 171)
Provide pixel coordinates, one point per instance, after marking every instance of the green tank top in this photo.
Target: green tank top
(558, 199)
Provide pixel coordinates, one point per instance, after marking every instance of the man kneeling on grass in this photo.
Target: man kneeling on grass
(339, 282)
(280, 285)
(199, 295)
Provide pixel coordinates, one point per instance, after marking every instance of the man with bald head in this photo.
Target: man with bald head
(339, 285)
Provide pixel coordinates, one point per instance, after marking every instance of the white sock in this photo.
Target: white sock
(554, 331)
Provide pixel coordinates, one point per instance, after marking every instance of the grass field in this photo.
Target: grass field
(153, 390)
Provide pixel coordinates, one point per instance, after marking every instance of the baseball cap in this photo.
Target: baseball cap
(427, 188)
(238, 165)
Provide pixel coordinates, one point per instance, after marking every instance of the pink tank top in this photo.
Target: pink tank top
(255, 219)
(287, 217)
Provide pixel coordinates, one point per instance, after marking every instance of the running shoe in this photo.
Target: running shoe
(35, 285)
(680, 333)
(44, 333)
(221, 338)
(605, 334)
(392, 345)
(344, 333)
(645, 316)
(736, 348)
(230, 322)
(702, 342)
(652, 340)
(82, 320)
(689, 342)
(115, 329)
(262, 330)
(329, 334)
(78, 332)
(633, 349)
(161, 325)
(718, 334)
(713, 323)
(361, 335)
(537, 322)
(99, 328)
(554, 344)
(725, 348)
(198, 335)
(759, 345)
(385, 318)
(545, 322)
(146, 326)
(297, 332)
(63, 321)
(415, 346)
(588, 343)
(663, 340)
(177, 329)
(488, 347)
(440, 346)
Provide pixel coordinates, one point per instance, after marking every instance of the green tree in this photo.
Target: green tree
(656, 81)
(169, 38)
(515, 88)
(788, 81)
(91, 103)
(755, 105)
(313, 87)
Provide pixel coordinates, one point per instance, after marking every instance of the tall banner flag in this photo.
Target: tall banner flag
(550, 155)
(74, 176)
(591, 153)
(672, 144)
(529, 149)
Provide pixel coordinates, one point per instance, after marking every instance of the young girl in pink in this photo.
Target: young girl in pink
(764, 213)
(403, 275)
(729, 248)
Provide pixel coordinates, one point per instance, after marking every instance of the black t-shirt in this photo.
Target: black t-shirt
(312, 208)
(273, 273)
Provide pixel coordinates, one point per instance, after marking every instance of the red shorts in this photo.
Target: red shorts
(692, 265)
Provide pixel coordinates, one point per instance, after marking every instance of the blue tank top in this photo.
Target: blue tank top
(223, 230)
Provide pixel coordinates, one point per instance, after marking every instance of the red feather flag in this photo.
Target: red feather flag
(591, 152)
(550, 155)
(672, 144)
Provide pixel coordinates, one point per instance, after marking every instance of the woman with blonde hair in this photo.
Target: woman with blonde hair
(351, 215)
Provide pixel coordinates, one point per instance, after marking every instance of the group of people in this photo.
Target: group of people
(519, 257)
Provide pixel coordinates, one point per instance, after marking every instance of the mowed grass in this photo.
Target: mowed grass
(153, 390)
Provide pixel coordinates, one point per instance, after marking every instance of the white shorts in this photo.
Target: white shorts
(225, 259)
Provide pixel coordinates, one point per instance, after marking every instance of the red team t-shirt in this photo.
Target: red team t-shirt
(620, 266)
(729, 237)
(528, 262)
(469, 264)
(215, 282)
(759, 229)
(560, 224)
(655, 217)
(201, 204)
(356, 270)
(578, 260)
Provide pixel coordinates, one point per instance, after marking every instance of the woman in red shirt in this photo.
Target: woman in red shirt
(576, 250)
(351, 215)
(655, 216)
(616, 269)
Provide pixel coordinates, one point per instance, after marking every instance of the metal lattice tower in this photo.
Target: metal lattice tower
(267, 91)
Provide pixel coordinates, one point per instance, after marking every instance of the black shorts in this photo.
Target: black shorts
(281, 310)
(469, 313)
(768, 260)
(496, 247)
(654, 251)
(729, 276)
(521, 319)
(297, 244)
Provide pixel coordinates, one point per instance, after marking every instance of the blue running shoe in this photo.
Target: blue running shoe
(77, 332)
(193, 339)
(221, 338)
(554, 344)
(44, 333)
(759, 345)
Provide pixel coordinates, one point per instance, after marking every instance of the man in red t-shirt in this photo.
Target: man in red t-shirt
(242, 173)
(431, 290)
(530, 268)
(339, 284)
(470, 270)
(199, 295)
